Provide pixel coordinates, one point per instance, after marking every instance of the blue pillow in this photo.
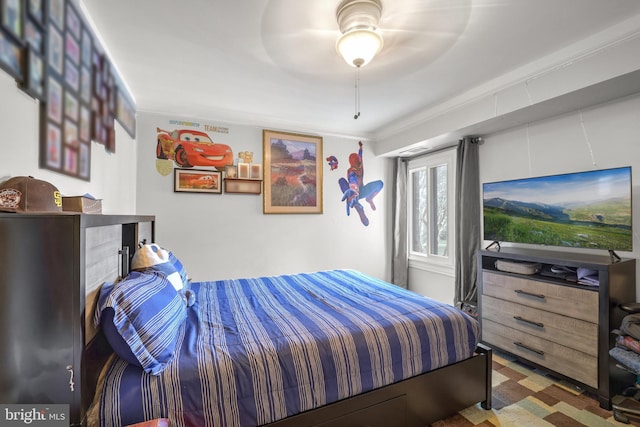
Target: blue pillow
(179, 268)
(141, 317)
(168, 270)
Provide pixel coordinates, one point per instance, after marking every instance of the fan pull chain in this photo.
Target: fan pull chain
(357, 101)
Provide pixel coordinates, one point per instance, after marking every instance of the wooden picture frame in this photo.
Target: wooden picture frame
(292, 173)
(197, 181)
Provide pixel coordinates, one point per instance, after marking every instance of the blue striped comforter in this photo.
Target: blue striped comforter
(254, 351)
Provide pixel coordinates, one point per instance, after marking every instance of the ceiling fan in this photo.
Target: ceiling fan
(310, 39)
(301, 36)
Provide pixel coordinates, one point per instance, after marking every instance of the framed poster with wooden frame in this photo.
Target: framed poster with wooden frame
(292, 173)
(197, 181)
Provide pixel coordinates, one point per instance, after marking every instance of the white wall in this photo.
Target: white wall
(438, 286)
(600, 137)
(112, 175)
(216, 236)
(227, 235)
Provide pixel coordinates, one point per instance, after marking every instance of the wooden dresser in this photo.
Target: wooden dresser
(49, 264)
(553, 322)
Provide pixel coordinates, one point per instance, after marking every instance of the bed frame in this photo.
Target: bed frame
(413, 402)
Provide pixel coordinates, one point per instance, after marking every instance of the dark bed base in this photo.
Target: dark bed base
(414, 402)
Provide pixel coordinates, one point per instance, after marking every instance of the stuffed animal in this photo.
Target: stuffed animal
(246, 156)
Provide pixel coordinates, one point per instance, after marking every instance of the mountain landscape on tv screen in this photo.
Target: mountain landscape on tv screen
(602, 224)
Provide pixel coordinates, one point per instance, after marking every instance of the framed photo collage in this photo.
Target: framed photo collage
(48, 49)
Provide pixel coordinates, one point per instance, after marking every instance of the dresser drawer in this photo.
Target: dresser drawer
(567, 331)
(566, 300)
(564, 360)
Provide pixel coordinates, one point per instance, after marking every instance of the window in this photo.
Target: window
(431, 194)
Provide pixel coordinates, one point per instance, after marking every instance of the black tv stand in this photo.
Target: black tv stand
(614, 256)
(494, 243)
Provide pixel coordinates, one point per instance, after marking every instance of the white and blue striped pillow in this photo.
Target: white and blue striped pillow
(141, 316)
(173, 260)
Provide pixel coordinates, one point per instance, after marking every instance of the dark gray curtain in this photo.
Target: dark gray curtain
(400, 259)
(467, 220)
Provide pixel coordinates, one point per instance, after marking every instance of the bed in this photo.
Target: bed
(329, 348)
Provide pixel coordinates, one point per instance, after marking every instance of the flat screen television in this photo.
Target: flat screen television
(589, 209)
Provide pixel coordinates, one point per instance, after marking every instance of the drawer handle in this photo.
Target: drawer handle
(529, 294)
(519, 344)
(531, 322)
(72, 384)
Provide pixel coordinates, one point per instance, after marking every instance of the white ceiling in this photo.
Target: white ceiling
(273, 63)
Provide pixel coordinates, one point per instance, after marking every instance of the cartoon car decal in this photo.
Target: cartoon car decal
(190, 148)
(203, 182)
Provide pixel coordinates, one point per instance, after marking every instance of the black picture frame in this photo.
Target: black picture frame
(125, 112)
(56, 154)
(11, 56)
(86, 48)
(34, 77)
(73, 23)
(51, 147)
(84, 124)
(35, 12)
(80, 90)
(56, 13)
(197, 181)
(12, 18)
(55, 100)
(55, 50)
(72, 48)
(33, 35)
(84, 160)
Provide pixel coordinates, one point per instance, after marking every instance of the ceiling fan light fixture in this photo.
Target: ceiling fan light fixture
(359, 46)
(358, 21)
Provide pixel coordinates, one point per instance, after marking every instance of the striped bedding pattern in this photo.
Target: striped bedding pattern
(254, 351)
